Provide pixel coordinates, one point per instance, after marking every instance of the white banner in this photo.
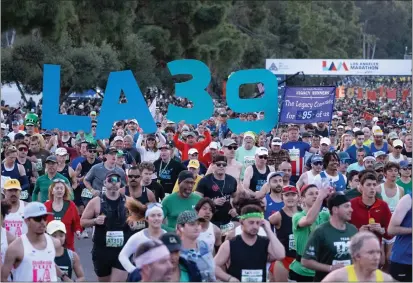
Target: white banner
(340, 67)
(152, 108)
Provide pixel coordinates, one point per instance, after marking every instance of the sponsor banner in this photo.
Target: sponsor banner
(340, 67)
(304, 105)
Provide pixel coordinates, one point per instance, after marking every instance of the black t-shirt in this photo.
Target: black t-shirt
(157, 189)
(323, 133)
(407, 154)
(167, 173)
(213, 188)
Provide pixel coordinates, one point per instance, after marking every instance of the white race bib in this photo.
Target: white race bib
(114, 239)
(24, 195)
(343, 262)
(38, 165)
(291, 242)
(226, 228)
(252, 275)
(86, 193)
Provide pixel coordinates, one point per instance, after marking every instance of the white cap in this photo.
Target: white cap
(54, 226)
(249, 134)
(118, 138)
(261, 151)
(3, 126)
(356, 129)
(335, 117)
(325, 141)
(397, 143)
(340, 127)
(213, 145)
(185, 128)
(377, 131)
(276, 141)
(61, 151)
(375, 119)
(369, 158)
(192, 151)
(133, 121)
(34, 209)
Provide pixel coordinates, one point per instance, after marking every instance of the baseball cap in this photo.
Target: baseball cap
(93, 113)
(91, 146)
(249, 134)
(3, 126)
(185, 128)
(403, 164)
(51, 158)
(397, 143)
(111, 149)
(377, 131)
(167, 145)
(369, 158)
(6, 139)
(213, 145)
(325, 141)
(306, 135)
(133, 121)
(61, 151)
(15, 123)
(228, 142)
(192, 134)
(393, 136)
(193, 164)
(289, 189)
(343, 156)
(185, 174)
(111, 173)
(171, 241)
(340, 127)
(120, 153)
(48, 133)
(54, 226)
(188, 216)
(35, 209)
(316, 158)
(378, 165)
(336, 199)
(274, 174)
(379, 153)
(356, 129)
(12, 184)
(192, 151)
(335, 117)
(118, 138)
(276, 141)
(261, 151)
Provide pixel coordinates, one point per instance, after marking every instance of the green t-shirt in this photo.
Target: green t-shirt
(174, 204)
(329, 245)
(301, 235)
(406, 187)
(184, 274)
(42, 186)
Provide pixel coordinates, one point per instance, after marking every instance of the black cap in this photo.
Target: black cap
(111, 173)
(111, 149)
(51, 158)
(185, 174)
(6, 138)
(172, 242)
(306, 135)
(336, 199)
(91, 146)
(19, 136)
(167, 145)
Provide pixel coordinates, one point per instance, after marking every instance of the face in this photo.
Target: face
(120, 132)
(317, 166)
(366, 132)
(408, 141)
(190, 140)
(35, 146)
(37, 224)
(368, 189)
(194, 156)
(134, 178)
(186, 186)
(248, 141)
(360, 156)
(147, 175)
(360, 140)
(398, 150)
(381, 158)
(261, 160)
(60, 236)
(276, 184)
(391, 174)
(191, 230)
(11, 157)
(118, 144)
(12, 195)
(111, 158)
(112, 184)
(30, 129)
(369, 255)
(290, 199)
(355, 182)
(315, 141)
(348, 140)
(378, 139)
(369, 164)
(160, 270)
(194, 171)
(155, 219)
(22, 151)
(61, 158)
(175, 258)
(344, 211)
(165, 153)
(310, 196)
(286, 168)
(251, 226)
(333, 164)
(292, 135)
(229, 151)
(59, 190)
(51, 167)
(324, 148)
(83, 149)
(205, 212)
(132, 126)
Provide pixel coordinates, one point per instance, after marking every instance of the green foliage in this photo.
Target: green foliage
(91, 38)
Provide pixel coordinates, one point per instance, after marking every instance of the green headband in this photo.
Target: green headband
(252, 215)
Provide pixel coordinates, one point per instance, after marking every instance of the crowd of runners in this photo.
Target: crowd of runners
(198, 203)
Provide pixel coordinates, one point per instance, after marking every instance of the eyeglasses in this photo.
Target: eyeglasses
(23, 149)
(113, 179)
(39, 218)
(232, 147)
(318, 163)
(134, 176)
(263, 156)
(92, 151)
(221, 164)
(379, 170)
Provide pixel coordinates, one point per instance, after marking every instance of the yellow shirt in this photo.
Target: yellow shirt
(176, 187)
(352, 276)
(366, 143)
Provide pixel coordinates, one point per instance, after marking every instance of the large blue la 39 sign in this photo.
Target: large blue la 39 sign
(136, 107)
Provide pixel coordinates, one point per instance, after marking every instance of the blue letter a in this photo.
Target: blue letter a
(113, 111)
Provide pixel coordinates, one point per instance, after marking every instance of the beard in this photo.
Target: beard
(277, 189)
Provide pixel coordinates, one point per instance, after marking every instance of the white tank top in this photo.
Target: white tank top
(208, 237)
(391, 202)
(310, 177)
(4, 246)
(14, 222)
(396, 160)
(261, 231)
(37, 265)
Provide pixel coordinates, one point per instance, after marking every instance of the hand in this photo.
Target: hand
(323, 193)
(233, 279)
(376, 227)
(67, 279)
(100, 219)
(95, 193)
(233, 212)
(266, 225)
(78, 235)
(364, 228)
(219, 201)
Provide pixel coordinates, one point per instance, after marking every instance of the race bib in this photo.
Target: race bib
(38, 165)
(226, 228)
(86, 193)
(114, 239)
(24, 195)
(252, 275)
(249, 160)
(42, 271)
(291, 242)
(343, 262)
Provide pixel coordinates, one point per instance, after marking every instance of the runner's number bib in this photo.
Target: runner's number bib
(86, 193)
(24, 195)
(38, 165)
(226, 228)
(114, 239)
(251, 275)
(343, 262)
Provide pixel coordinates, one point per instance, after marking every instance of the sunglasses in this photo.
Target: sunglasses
(113, 179)
(92, 151)
(39, 218)
(94, 126)
(221, 164)
(232, 147)
(379, 170)
(23, 149)
(407, 168)
(318, 163)
(59, 181)
(263, 156)
(398, 147)
(194, 154)
(134, 176)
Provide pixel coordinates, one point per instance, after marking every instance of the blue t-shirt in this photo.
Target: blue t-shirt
(302, 146)
(352, 151)
(76, 161)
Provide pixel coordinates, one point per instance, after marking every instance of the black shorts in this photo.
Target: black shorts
(295, 277)
(401, 272)
(104, 259)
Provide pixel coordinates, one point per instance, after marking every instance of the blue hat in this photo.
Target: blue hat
(404, 164)
(316, 158)
(343, 156)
